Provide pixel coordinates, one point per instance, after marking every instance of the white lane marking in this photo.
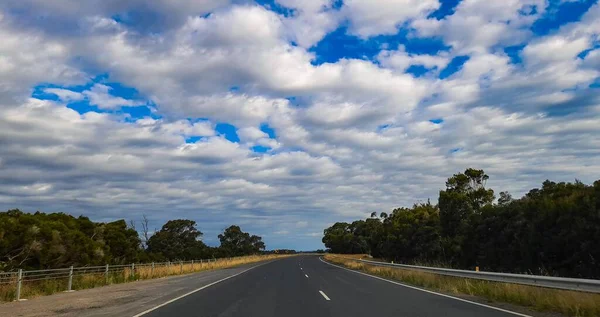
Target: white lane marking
(430, 292)
(301, 268)
(326, 298)
(196, 290)
(306, 275)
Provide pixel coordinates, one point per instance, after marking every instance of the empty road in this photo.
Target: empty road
(305, 286)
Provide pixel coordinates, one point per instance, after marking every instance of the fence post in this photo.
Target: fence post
(106, 273)
(70, 284)
(180, 267)
(19, 280)
(192, 265)
(132, 275)
(152, 270)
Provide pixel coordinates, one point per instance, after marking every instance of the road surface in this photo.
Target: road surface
(306, 286)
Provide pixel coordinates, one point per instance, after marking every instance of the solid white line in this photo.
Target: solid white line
(427, 291)
(196, 290)
(326, 298)
(306, 275)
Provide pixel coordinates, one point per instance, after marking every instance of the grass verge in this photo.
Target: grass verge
(570, 303)
(31, 289)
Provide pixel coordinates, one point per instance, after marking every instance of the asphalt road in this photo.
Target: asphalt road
(305, 286)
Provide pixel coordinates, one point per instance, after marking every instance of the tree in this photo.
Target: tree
(350, 238)
(338, 237)
(177, 240)
(412, 234)
(47, 240)
(235, 242)
(145, 231)
(121, 243)
(505, 199)
(459, 205)
(551, 230)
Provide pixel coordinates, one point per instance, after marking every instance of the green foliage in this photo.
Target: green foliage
(340, 238)
(178, 240)
(235, 242)
(412, 234)
(57, 240)
(460, 204)
(552, 230)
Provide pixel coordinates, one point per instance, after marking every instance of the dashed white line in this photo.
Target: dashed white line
(306, 275)
(326, 298)
(301, 268)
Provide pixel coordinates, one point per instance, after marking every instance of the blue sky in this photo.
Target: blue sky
(285, 116)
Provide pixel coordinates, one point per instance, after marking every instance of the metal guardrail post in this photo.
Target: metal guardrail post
(132, 275)
(180, 267)
(70, 284)
(192, 265)
(19, 281)
(152, 270)
(106, 274)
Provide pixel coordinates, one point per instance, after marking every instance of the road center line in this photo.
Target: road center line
(306, 275)
(326, 298)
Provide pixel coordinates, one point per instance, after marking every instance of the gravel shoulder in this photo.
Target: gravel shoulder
(125, 299)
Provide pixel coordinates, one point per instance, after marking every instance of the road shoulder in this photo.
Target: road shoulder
(125, 299)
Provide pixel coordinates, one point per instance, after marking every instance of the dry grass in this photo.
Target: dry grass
(47, 287)
(542, 299)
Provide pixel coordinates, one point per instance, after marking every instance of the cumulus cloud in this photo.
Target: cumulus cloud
(65, 94)
(478, 25)
(351, 137)
(311, 21)
(99, 95)
(368, 17)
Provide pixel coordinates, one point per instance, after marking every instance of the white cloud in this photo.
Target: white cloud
(99, 95)
(301, 224)
(312, 20)
(554, 49)
(65, 94)
(400, 60)
(369, 17)
(251, 134)
(28, 58)
(355, 138)
(478, 25)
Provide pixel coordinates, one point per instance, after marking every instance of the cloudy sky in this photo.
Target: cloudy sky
(284, 116)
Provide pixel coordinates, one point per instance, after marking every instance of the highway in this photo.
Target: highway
(306, 286)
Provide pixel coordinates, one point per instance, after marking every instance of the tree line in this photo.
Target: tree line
(552, 230)
(55, 240)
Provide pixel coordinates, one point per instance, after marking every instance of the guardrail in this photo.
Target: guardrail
(574, 284)
(122, 272)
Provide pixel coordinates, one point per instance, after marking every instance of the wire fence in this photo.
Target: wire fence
(14, 285)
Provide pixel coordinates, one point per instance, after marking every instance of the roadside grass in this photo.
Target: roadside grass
(31, 289)
(571, 303)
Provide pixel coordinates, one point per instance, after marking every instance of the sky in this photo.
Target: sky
(285, 116)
